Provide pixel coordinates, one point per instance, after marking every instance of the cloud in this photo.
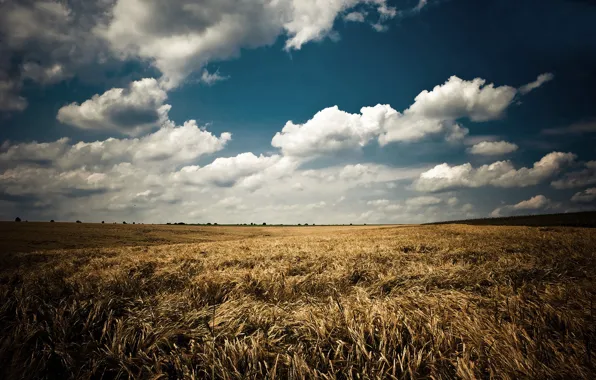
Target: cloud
(181, 37)
(493, 148)
(421, 4)
(579, 128)
(168, 147)
(498, 174)
(433, 113)
(9, 97)
(332, 130)
(212, 78)
(542, 79)
(438, 110)
(44, 75)
(423, 201)
(586, 196)
(227, 171)
(130, 111)
(538, 202)
(580, 178)
(49, 41)
(355, 17)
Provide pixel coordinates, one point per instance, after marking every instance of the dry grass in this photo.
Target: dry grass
(447, 301)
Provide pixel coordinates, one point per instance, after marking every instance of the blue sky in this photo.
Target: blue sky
(236, 111)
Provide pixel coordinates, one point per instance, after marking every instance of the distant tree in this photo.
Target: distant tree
(306, 224)
(52, 221)
(17, 219)
(102, 222)
(124, 222)
(299, 224)
(133, 222)
(215, 224)
(181, 223)
(168, 224)
(264, 224)
(209, 223)
(350, 224)
(78, 221)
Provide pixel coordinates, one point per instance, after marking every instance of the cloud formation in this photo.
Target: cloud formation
(498, 174)
(586, 196)
(433, 113)
(579, 178)
(493, 148)
(542, 79)
(181, 37)
(130, 111)
(536, 203)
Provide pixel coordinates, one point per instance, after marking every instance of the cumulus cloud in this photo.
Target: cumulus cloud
(493, 148)
(438, 110)
(47, 41)
(332, 130)
(433, 113)
(538, 202)
(180, 37)
(170, 146)
(579, 178)
(542, 79)
(586, 196)
(130, 111)
(499, 174)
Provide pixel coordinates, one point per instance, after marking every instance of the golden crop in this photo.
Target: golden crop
(399, 302)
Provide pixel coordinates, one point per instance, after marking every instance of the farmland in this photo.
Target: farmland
(441, 301)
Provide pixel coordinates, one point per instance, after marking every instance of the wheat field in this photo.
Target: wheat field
(354, 302)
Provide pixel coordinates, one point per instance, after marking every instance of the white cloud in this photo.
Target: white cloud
(453, 201)
(586, 196)
(212, 78)
(169, 146)
(493, 148)
(459, 98)
(580, 178)
(180, 37)
(131, 111)
(331, 130)
(542, 78)
(499, 174)
(538, 202)
(355, 17)
(433, 113)
(534, 203)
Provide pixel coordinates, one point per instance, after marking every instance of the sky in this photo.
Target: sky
(296, 111)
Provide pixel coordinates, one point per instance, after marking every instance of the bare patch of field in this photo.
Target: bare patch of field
(443, 301)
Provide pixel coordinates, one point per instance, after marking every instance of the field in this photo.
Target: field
(98, 301)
